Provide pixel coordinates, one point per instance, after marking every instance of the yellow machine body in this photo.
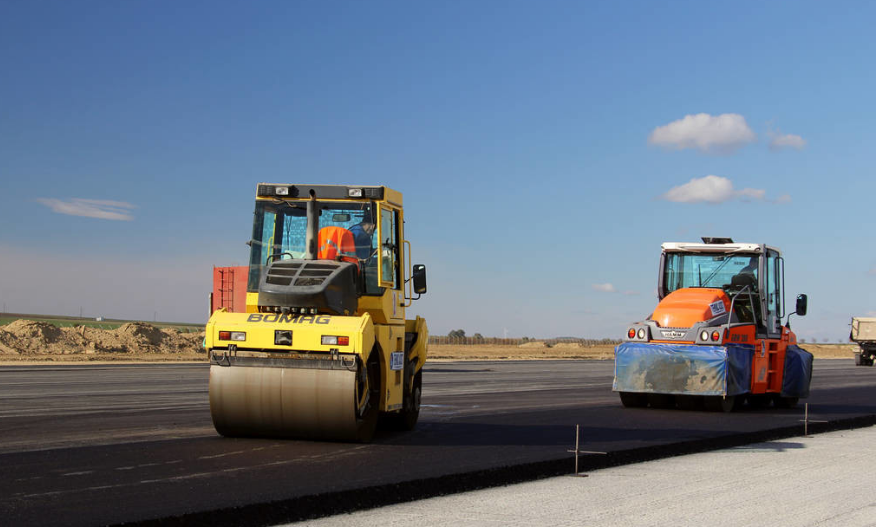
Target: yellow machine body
(322, 365)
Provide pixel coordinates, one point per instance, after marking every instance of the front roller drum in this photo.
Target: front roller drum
(259, 401)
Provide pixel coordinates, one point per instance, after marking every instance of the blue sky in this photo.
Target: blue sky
(537, 145)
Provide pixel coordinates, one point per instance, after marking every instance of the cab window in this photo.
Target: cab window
(389, 251)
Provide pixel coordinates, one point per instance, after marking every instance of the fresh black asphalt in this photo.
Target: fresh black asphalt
(133, 444)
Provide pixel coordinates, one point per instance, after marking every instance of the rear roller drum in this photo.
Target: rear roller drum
(406, 420)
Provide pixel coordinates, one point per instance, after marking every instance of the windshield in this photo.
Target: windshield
(706, 270)
(280, 232)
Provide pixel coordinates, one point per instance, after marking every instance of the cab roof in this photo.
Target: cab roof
(329, 192)
(693, 247)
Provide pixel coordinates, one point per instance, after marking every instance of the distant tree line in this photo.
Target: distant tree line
(458, 337)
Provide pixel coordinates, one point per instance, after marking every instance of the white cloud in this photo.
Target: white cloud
(747, 194)
(711, 189)
(606, 288)
(784, 198)
(90, 208)
(714, 134)
(779, 141)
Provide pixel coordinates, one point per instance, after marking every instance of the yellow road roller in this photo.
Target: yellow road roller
(324, 350)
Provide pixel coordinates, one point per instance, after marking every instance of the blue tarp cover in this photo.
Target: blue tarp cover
(682, 368)
(798, 372)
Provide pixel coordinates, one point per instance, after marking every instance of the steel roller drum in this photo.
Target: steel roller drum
(284, 402)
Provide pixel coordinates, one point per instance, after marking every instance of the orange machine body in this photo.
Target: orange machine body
(685, 307)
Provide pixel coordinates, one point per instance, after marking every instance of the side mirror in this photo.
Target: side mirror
(802, 302)
(419, 276)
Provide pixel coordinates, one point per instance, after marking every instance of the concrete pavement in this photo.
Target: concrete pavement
(827, 479)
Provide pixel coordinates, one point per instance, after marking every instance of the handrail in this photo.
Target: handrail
(408, 287)
(750, 299)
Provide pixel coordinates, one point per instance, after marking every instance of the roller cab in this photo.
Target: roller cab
(715, 338)
(323, 349)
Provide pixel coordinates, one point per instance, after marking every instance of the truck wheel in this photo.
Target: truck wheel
(633, 400)
(859, 360)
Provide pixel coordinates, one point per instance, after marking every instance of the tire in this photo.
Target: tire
(717, 403)
(689, 402)
(758, 401)
(859, 360)
(786, 402)
(661, 400)
(633, 400)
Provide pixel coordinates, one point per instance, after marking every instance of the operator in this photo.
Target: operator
(747, 276)
(750, 270)
(362, 233)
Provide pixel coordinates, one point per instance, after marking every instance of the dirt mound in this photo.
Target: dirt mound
(533, 344)
(140, 336)
(30, 339)
(31, 330)
(7, 343)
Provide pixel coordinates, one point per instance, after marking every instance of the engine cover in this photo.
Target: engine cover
(329, 286)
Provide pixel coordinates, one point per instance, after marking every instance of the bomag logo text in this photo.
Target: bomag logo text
(289, 318)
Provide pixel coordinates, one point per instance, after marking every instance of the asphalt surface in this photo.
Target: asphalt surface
(798, 482)
(94, 445)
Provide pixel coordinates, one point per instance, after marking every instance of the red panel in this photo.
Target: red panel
(229, 289)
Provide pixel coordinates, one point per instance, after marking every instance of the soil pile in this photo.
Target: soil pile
(28, 340)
